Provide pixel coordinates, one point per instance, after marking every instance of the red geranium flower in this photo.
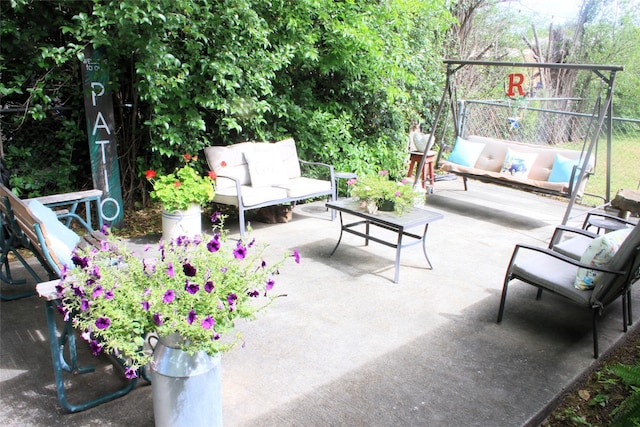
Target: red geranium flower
(213, 175)
(223, 164)
(150, 174)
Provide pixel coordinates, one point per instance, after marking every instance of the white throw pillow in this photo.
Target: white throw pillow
(598, 254)
(265, 168)
(517, 163)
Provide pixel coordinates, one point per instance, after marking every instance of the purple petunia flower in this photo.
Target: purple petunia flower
(231, 300)
(263, 264)
(109, 294)
(95, 347)
(209, 287)
(270, 283)
(254, 293)
(97, 291)
(191, 317)
(240, 252)
(216, 217)
(131, 373)
(252, 242)
(170, 272)
(104, 245)
(103, 322)
(214, 244)
(296, 256)
(169, 296)
(191, 287)
(208, 322)
(80, 261)
(189, 270)
(84, 304)
(157, 319)
(145, 305)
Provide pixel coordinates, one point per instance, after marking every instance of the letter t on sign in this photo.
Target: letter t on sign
(515, 81)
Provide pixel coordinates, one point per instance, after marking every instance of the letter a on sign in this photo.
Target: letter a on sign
(515, 81)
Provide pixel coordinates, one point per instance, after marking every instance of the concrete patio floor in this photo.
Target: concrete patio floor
(347, 346)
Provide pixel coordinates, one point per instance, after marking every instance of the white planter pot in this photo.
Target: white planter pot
(182, 222)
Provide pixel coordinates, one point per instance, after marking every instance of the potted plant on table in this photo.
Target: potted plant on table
(379, 192)
(188, 293)
(182, 195)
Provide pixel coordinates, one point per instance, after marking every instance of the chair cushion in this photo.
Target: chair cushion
(561, 169)
(598, 254)
(517, 163)
(62, 240)
(301, 187)
(465, 152)
(552, 274)
(574, 247)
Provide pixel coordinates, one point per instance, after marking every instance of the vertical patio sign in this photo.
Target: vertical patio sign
(101, 132)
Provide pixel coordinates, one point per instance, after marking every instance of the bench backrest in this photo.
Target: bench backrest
(233, 160)
(26, 227)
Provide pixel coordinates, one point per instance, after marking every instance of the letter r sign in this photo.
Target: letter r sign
(515, 81)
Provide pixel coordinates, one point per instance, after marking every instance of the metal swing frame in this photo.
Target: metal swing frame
(602, 115)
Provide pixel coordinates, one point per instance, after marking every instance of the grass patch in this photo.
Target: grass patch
(625, 159)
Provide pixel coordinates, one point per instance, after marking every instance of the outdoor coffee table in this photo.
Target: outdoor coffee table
(399, 224)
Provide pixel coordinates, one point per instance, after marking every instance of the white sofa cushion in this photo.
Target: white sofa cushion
(300, 187)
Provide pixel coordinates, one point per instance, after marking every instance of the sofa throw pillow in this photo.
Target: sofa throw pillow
(561, 169)
(466, 153)
(517, 163)
(62, 240)
(598, 254)
(265, 168)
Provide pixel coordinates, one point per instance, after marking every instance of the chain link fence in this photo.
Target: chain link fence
(568, 122)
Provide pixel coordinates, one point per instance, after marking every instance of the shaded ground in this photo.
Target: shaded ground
(590, 402)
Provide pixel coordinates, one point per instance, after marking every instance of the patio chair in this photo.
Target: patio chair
(555, 272)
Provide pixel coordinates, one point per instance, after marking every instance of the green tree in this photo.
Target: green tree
(343, 78)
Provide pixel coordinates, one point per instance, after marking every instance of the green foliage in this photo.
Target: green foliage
(344, 79)
(378, 189)
(182, 188)
(628, 414)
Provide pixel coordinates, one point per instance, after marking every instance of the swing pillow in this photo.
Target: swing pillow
(466, 153)
(561, 169)
(517, 163)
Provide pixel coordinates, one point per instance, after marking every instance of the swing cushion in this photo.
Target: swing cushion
(561, 170)
(465, 152)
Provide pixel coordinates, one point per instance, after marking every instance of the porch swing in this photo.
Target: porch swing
(583, 160)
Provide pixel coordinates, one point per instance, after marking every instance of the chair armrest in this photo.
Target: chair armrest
(70, 217)
(607, 217)
(562, 229)
(559, 256)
